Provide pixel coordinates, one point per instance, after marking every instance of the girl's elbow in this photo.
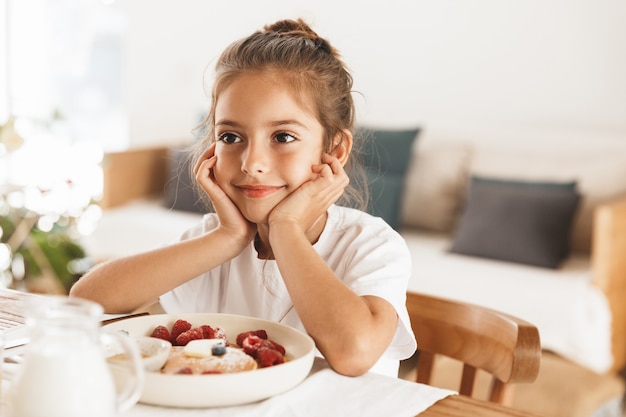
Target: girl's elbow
(349, 369)
(352, 361)
(77, 290)
(81, 290)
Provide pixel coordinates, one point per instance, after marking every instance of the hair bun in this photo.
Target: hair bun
(292, 27)
(299, 28)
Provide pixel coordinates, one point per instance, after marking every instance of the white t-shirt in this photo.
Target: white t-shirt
(365, 252)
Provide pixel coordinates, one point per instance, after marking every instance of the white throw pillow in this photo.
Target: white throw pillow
(435, 184)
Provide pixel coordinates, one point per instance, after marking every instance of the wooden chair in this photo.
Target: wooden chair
(504, 346)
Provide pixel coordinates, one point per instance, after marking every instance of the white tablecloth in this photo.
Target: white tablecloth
(324, 393)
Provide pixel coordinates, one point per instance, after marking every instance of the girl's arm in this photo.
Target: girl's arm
(126, 284)
(351, 331)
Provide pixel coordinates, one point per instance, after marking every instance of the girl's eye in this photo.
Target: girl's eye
(284, 138)
(229, 138)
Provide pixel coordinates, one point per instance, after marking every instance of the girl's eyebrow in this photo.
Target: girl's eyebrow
(276, 123)
(287, 123)
(227, 122)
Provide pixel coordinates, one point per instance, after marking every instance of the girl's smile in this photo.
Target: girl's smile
(258, 191)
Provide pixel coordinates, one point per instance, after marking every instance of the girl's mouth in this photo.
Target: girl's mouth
(258, 191)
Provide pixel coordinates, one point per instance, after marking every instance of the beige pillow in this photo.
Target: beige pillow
(435, 184)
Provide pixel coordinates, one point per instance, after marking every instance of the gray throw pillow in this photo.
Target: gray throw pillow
(544, 185)
(386, 155)
(517, 221)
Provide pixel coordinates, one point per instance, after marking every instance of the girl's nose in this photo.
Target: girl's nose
(255, 158)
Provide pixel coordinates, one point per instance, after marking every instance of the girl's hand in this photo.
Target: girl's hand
(231, 219)
(311, 200)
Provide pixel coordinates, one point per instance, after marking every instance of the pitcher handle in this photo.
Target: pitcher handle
(131, 392)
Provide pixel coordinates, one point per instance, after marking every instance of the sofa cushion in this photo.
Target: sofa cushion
(538, 185)
(515, 221)
(435, 183)
(386, 155)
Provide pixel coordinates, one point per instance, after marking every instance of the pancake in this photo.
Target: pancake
(234, 360)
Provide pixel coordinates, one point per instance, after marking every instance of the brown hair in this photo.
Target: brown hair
(315, 70)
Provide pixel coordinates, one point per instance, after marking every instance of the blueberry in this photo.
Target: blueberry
(218, 350)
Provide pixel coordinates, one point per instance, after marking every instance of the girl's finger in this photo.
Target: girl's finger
(328, 161)
(334, 164)
(204, 173)
(209, 153)
(326, 172)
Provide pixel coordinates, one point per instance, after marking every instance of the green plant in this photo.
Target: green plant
(47, 254)
(41, 209)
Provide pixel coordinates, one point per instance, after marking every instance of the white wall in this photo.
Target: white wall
(3, 63)
(546, 63)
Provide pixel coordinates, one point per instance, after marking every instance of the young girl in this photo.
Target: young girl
(278, 136)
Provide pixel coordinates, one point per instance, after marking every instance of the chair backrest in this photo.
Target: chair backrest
(504, 346)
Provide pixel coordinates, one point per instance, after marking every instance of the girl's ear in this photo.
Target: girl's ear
(342, 146)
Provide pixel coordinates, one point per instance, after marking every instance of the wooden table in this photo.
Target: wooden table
(452, 406)
(10, 312)
(461, 406)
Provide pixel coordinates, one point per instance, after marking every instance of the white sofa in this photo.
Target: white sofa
(577, 307)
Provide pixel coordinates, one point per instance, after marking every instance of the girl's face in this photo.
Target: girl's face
(266, 143)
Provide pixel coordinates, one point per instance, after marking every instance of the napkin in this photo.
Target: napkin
(324, 392)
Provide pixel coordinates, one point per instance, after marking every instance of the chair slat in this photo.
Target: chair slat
(501, 393)
(425, 365)
(468, 377)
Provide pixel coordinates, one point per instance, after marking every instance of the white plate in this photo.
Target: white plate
(218, 390)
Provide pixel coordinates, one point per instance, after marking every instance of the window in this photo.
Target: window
(64, 59)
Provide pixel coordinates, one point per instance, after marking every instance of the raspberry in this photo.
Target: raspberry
(161, 332)
(259, 333)
(273, 345)
(251, 344)
(269, 357)
(208, 332)
(186, 337)
(179, 327)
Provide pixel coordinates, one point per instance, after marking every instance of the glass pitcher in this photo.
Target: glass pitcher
(65, 372)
